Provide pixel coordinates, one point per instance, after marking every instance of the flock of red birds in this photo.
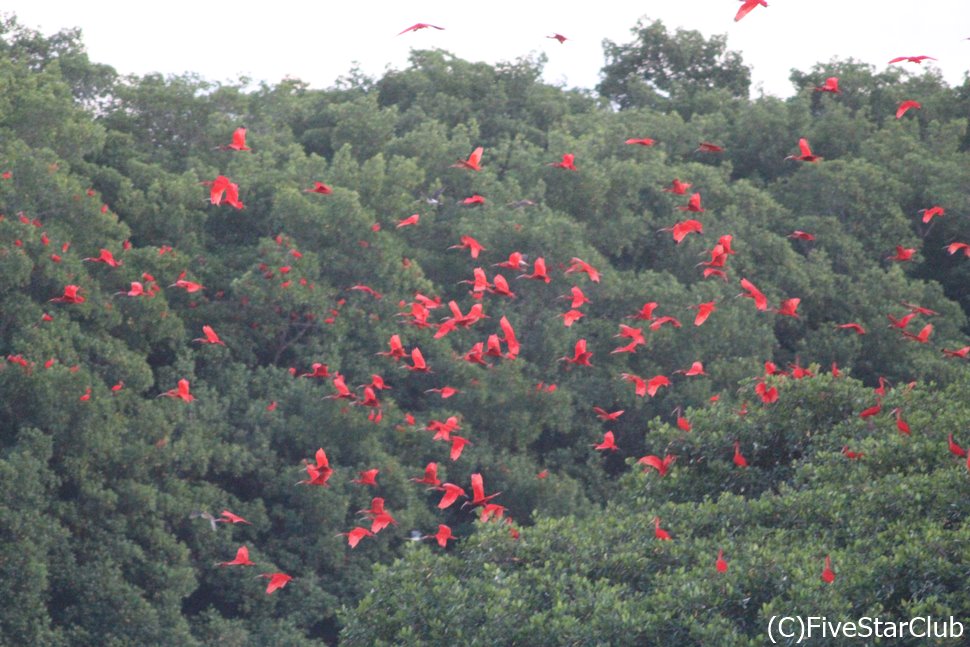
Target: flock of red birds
(504, 344)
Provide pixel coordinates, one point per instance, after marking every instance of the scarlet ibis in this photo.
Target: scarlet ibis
(515, 262)
(319, 187)
(580, 356)
(961, 353)
(907, 105)
(640, 385)
(419, 25)
(851, 455)
(831, 84)
(680, 230)
(181, 392)
(739, 458)
(442, 536)
(920, 309)
(579, 265)
(567, 162)
(562, 39)
(409, 221)
(953, 248)
(704, 311)
(677, 187)
(396, 348)
(642, 141)
(70, 295)
(806, 153)
(954, 448)
(696, 368)
(923, 336)
(720, 564)
(210, 336)
(693, 204)
(106, 257)
(662, 465)
(571, 317)
(473, 200)
(577, 296)
(661, 321)
(430, 476)
(801, 235)
(854, 327)
(707, 147)
(478, 492)
(932, 212)
(367, 477)
(355, 535)
(911, 59)
(789, 308)
(445, 392)
(451, 494)
(457, 446)
(659, 532)
(469, 243)
(238, 140)
(901, 424)
(418, 364)
(747, 6)
(646, 311)
(473, 163)
(241, 559)
(608, 443)
(319, 471)
(760, 301)
(276, 581)
(828, 575)
(605, 415)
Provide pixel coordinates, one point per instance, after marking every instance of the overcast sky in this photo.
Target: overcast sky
(319, 41)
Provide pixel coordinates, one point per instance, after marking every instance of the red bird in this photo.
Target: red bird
(906, 105)
(367, 477)
(457, 446)
(571, 317)
(646, 312)
(105, 257)
(580, 356)
(806, 153)
(801, 235)
(680, 230)
(747, 6)
(605, 415)
(238, 140)
(577, 296)
(828, 575)
(241, 559)
(579, 265)
(469, 243)
(643, 141)
(920, 309)
(854, 327)
(659, 532)
(319, 187)
(677, 187)
(515, 262)
(478, 492)
(181, 392)
(355, 535)
(567, 162)
(760, 301)
(223, 186)
(697, 368)
(720, 564)
(452, 492)
(902, 322)
(953, 248)
(901, 424)
(923, 336)
(608, 443)
(539, 272)
(418, 364)
(911, 59)
(396, 348)
(661, 465)
(189, 286)
(430, 476)
(851, 455)
(562, 39)
(210, 336)
(960, 353)
(407, 222)
(831, 85)
(70, 295)
(276, 581)
(442, 536)
(320, 471)
(419, 25)
(640, 385)
(929, 214)
(704, 311)
(509, 338)
(473, 163)
(707, 147)
(693, 204)
(473, 200)
(789, 307)
(228, 517)
(955, 449)
(739, 458)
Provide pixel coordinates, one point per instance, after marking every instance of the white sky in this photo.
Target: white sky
(318, 41)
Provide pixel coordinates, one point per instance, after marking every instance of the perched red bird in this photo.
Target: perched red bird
(659, 532)
(473, 163)
(720, 564)
(241, 559)
(739, 458)
(907, 105)
(828, 575)
(747, 6)
(419, 25)
(276, 581)
(954, 448)
(831, 84)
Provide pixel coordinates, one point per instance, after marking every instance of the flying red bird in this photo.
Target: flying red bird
(418, 364)
(680, 230)
(70, 295)
(707, 147)
(801, 235)
(907, 105)
(693, 204)
(961, 353)
(539, 272)
(238, 140)
(760, 301)
(367, 477)
(662, 465)
(106, 257)
(605, 415)
(642, 141)
(419, 25)
(854, 327)
(579, 265)
(577, 296)
(911, 59)
(442, 536)
(478, 492)
(473, 163)
(469, 243)
(562, 39)
(319, 187)
(568, 162)
(228, 517)
(953, 248)
(677, 187)
(409, 221)
(276, 581)
(580, 356)
(181, 392)
(923, 336)
(932, 212)
(747, 6)
(831, 84)
(452, 492)
(646, 312)
(704, 311)
(473, 200)
(806, 153)
(789, 307)
(210, 336)
(430, 476)
(697, 368)
(241, 559)
(608, 443)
